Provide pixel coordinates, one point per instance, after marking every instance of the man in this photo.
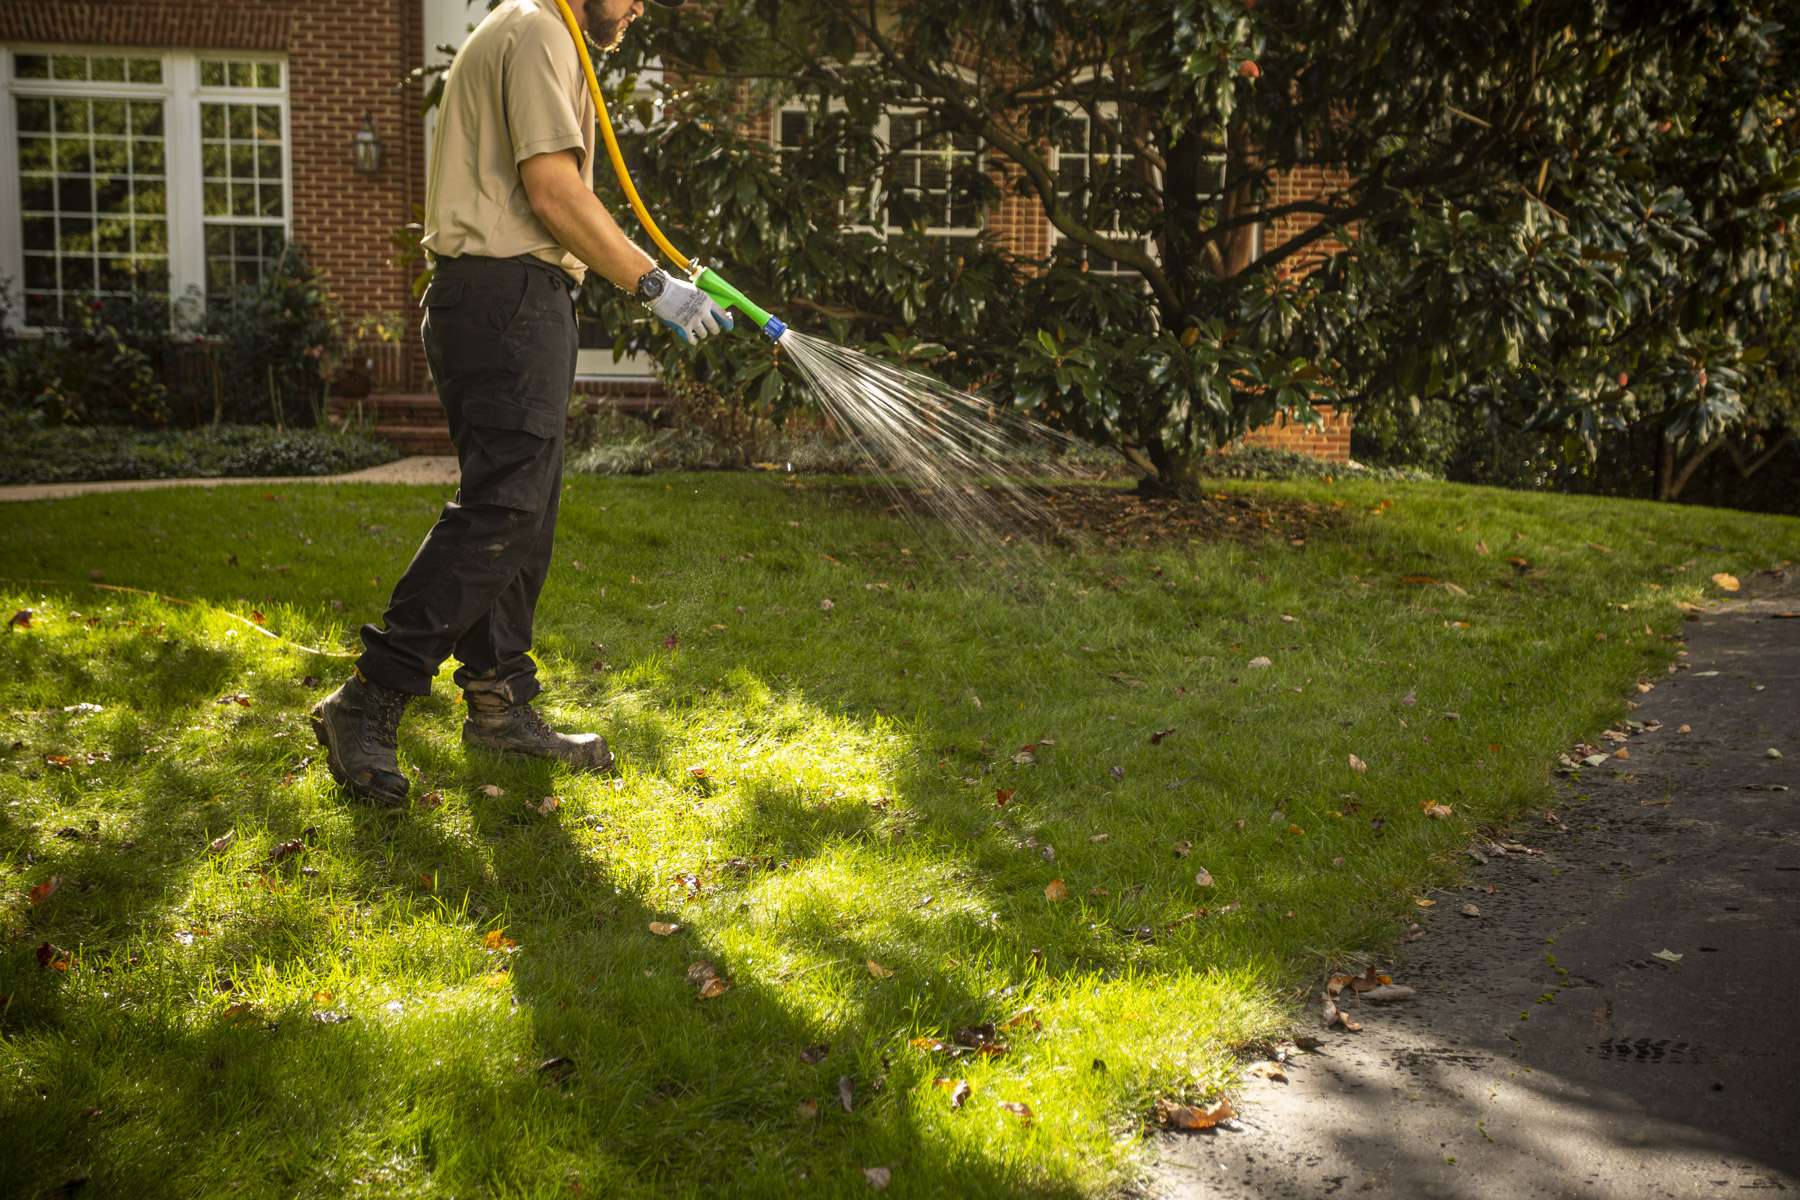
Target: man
(513, 225)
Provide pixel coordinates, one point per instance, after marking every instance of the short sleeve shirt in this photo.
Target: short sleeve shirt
(514, 90)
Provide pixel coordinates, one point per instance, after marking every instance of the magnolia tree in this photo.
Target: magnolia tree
(1574, 214)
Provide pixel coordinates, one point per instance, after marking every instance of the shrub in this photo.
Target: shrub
(104, 367)
(39, 454)
(273, 339)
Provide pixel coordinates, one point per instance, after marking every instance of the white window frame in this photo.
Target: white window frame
(877, 197)
(182, 96)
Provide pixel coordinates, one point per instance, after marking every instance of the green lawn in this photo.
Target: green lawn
(847, 815)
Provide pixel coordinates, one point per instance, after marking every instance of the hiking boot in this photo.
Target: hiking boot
(496, 722)
(359, 725)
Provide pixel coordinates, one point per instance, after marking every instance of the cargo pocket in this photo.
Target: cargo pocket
(511, 454)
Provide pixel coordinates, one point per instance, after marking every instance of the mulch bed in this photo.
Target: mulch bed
(1123, 519)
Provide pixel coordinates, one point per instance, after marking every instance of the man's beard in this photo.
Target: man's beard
(605, 32)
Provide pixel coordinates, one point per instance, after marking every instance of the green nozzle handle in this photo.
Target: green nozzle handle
(710, 282)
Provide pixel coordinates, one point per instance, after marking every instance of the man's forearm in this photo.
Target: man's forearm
(583, 227)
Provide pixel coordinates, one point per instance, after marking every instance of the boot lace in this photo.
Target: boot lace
(384, 710)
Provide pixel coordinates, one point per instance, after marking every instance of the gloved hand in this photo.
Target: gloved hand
(690, 312)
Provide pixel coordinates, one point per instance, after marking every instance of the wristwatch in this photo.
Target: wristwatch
(650, 285)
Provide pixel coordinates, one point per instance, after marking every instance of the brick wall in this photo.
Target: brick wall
(345, 58)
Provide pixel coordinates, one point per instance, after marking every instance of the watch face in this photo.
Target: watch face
(651, 285)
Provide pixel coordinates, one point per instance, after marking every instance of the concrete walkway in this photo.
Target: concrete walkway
(422, 469)
(1618, 1019)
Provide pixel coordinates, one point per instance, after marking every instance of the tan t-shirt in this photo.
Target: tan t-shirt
(514, 90)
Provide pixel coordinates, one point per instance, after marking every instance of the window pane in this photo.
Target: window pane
(146, 70)
(212, 73)
(147, 157)
(69, 66)
(152, 237)
(75, 194)
(212, 120)
(112, 156)
(113, 237)
(212, 161)
(40, 272)
(271, 199)
(37, 193)
(240, 120)
(74, 156)
(109, 117)
(268, 123)
(243, 200)
(112, 195)
(31, 66)
(243, 162)
(75, 234)
(71, 116)
(242, 75)
(147, 117)
(33, 115)
(268, 75)
(34, 154)
(148, 199)
(108, 69)
(216, 200)
(40, 233)
(268, 162)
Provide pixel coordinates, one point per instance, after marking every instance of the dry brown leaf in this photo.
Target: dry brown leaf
(496, 939)
(931, 1044)
(1389, 993)
(807, 1110)
(1358, 765)
(1187, 1116)
(1470, 910)
(846, 1092)
(1423, 902)
(1056, 890)
(1435, 810)
(1020, 1110)
(713, 988)
(959, 1090)
(1272, 1071)
(664, 928)
(223, 842)
(879, 971)
(1003, 796)
(1726, 582)
(546, 806)
(878, 1177)
(322, 998)
(1203, 878)
(492, 790)
(46, 889)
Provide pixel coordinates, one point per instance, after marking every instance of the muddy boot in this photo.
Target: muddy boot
(358, 725)
(496, 722)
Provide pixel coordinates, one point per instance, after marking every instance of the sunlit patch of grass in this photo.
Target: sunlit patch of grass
(468, 998)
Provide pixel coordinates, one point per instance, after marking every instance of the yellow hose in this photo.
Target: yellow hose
(612, 144)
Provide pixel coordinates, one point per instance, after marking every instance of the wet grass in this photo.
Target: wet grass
(467, 998)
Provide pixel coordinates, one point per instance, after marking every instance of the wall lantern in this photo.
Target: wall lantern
(367, 147)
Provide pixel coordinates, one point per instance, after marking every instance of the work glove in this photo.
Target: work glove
(690, 312)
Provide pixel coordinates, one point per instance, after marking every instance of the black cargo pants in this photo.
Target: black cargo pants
(500, 339)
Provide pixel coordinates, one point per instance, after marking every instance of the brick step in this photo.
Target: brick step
(416, 439)
(415, 408)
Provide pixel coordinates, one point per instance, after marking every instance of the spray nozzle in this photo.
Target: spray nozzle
(710, 282)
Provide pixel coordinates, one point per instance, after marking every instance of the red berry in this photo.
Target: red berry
(1249, 70)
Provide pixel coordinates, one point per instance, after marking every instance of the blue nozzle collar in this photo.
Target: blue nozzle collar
(774, 329)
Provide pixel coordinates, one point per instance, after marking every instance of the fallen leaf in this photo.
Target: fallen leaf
(1203, 878)
(1183, 848)
(1336, 1016)
(46, 889)
(1388, 993)
(1358, 765)
(331, 1016)
(1118, 773)
(1272, 1071)
(846, 1092)
(1423, 902)
(1097, 838)
(546, 806)
(1026, 756)
(1470, 910)
(496, 939)
(959, 1090)
(878, 1177)
(431, 800)
(286, 849)
(1160, 734)
(1726, 582)
(1296, 831)
(1771, 752)
(1481, 547)
(1668, 956)
(492, 791)
(826, 605)
(1003, 796)
(1019, 1109)
(1684, 729)
(20, 619)
(1056, 890)
(223, 842)
(930, 1044)
(1186, 1116)
(1260, 662)
(879, 971)
(1417, 580)
(672, 641)
(815, 1054)
(807, 1110)
(1435, 810)
(664, 928)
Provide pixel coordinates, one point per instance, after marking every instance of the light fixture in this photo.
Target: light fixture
(367, 147)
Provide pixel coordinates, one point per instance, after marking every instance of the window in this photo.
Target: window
(1093, 176)
(925, 180)
(139, 174)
